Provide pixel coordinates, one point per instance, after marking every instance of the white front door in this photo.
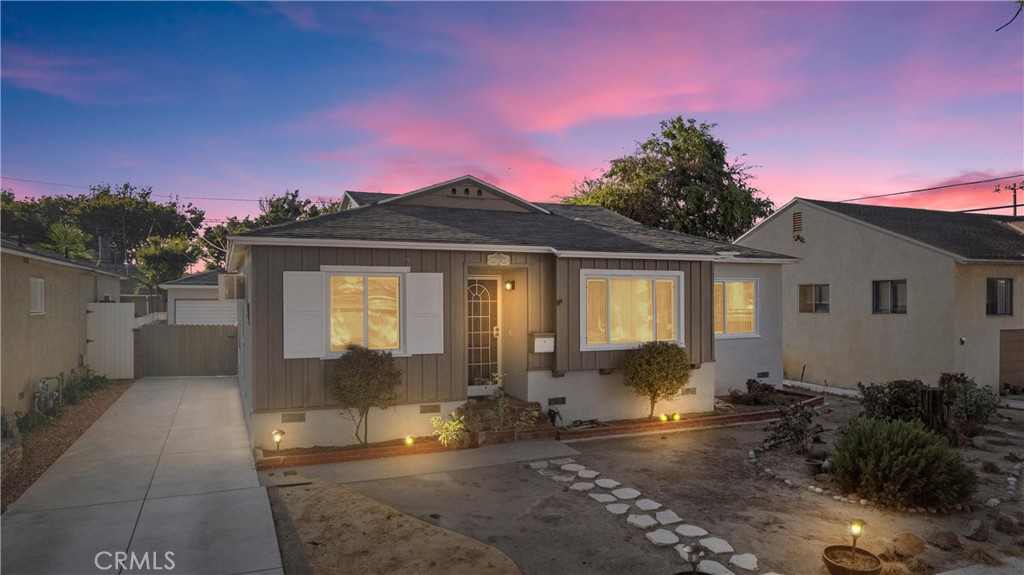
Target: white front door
(483, 333)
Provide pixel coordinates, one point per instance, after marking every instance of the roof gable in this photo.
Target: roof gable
(466, 192)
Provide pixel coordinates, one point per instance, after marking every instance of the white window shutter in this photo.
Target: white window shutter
(424, 304)
(305, 316)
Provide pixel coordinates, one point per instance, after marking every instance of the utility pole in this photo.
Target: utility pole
(1013, 188)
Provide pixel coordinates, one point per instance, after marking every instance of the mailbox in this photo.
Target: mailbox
(542, 342)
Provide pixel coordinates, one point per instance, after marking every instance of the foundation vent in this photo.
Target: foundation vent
(431, 408)
(556, 401)
(763, 374)
(689, 391)
(293, 417)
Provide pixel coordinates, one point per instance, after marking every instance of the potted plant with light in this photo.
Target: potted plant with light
(843, 560)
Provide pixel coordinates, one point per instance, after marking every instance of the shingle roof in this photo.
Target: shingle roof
(12, 245)
(204, 279)
(363, 199)
(968, 235)
(567, 228)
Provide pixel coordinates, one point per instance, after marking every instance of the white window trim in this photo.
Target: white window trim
(588, 273)
(365, 271)
(32, 283)
(757, 310)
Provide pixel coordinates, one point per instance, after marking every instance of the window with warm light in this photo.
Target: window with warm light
(621, 311)
(365, 310)
(735, 307)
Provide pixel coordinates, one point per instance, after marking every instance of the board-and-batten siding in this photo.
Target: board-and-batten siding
(553, 306)
(698, 338)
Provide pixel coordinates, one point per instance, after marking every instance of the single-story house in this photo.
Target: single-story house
(44, 297)
(884, 293)
(461, 280)
(198, 299)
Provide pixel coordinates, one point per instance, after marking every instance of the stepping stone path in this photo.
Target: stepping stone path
(647, 505)
(662, 538)
(618, 503)
(691, 531)
(642, 521)
(626, 493)
(617, 508)
(667, 517)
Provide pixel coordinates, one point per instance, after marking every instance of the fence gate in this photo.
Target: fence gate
(109, 343)
(188, 350)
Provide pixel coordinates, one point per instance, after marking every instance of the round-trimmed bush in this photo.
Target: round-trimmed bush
(656, 370)
(900, 463)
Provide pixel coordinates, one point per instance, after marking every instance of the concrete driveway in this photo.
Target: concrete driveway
(165, 476)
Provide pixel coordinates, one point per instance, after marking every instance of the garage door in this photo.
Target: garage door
(1011, 357)
(205, 312)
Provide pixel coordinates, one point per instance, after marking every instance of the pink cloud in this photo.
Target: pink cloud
(80, 80)
(302, 15)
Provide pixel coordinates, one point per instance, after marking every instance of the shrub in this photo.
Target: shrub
(500, 406)
(657, 370)
(451, 431)
(970, 406)
(31, 421)
(526, 420)
(896, 400)
(757, 393)
(364, 379)
(798, 427)
(900, 463)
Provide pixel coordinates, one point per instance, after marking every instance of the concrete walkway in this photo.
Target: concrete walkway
(165, 475)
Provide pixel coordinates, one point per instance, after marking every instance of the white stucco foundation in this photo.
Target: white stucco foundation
(590, 395)
(329, 427)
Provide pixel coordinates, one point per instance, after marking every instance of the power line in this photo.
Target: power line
(45, 183)
(933, 188)
(991, 208)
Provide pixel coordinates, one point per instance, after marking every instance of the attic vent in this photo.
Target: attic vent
(798, 222)
(231, 286)
(479, 192)
(466, 191)
(454, 191)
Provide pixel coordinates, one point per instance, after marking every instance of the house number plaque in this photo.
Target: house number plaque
(499, 259)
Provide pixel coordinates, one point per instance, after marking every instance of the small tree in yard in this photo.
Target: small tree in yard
(657, 370)
(364, 379)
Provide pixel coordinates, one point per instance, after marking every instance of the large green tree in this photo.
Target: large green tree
(162, 260)
(679, 179)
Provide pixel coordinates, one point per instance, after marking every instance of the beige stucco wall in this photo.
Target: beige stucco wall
(851, 344)
(46, 344)
(739, 358)
(978, 357)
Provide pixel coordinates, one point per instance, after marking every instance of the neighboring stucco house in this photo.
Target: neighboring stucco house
(885, 293)
(461, 280)
(43, 299)
(197, 300)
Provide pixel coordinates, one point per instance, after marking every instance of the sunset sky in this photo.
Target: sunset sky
(243, 100)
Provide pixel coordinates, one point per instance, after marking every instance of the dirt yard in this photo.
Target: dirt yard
(704, 476)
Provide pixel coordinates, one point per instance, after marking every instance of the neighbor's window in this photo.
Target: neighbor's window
(365, 311)
(621, 311)
(814, 298)
(999, 296)
(37, 303)
(735, 307)
(889, 296)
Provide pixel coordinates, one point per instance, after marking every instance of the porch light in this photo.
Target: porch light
(856, 528)
(510, 285)
(278, 435)
(409, 440)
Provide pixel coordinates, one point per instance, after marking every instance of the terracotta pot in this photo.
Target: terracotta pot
(813, 465)
(836, 559)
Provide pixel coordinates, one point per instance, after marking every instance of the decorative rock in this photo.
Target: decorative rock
(945, 540)
(716, 545)
(837, 498)
(602, 497)
(1007, 523)
(617, 508)
(819, 490)
(921, 509)
(641, 521)
(751, 454)
(826, 465)
(563, 478)
(992, 502)
(976, 529)
(538, 464)
(713, 568)
(745, 561)
(959, 507)
(647, 505)
(767, 470)
(788, 482)
(691, 531)
(562, 461)
(607, 483)
(573, 467)
(588, 474)
(548, 472)
(667, 517)
(662, 538)
(626, 493)
(582, 486)
(863, 501)
(908, 545)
